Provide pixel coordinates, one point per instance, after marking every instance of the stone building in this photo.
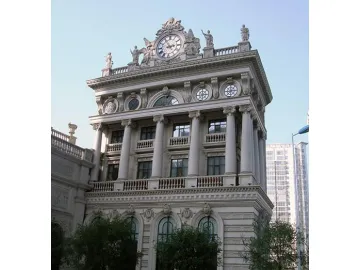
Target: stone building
(70, 174)
(180, 139)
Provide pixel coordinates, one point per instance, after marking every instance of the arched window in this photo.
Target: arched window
(166, 101)
(166, 228)
(134, 227)
(209, 226)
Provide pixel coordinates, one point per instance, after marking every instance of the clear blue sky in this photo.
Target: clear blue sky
(83, 32)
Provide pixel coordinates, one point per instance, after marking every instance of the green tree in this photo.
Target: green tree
(273, 247)
(187, 249)
(104, 244)
(57, 245)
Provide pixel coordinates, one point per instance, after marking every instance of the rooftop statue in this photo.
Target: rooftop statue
(209, 39)
(148, 51)
(245, 34)
(109, 61)
(135, 54)
(170, 24)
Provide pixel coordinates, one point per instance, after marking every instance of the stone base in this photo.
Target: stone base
(247, 179)
(244, 46)
(106, 72)
(209, 52)
(229, 180)
(133, 66)
(191, 182)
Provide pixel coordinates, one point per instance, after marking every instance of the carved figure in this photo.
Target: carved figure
(171, 22)
(206, 209)
(109, 61)
(209, 39)
(131, 210)
(148, 51)
(167, 209)
(135, 54)
(245, 34)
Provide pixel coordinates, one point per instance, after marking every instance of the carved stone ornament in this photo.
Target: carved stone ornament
(209, 39)
(167, 210)
(245, 33)
(245, 83)
(143, 94)
(148, 214)
(215, 87)
(192, 44)
(128, 122)
(110, 105)
(114, 213)
(130, 211)
(207, 209)
(99, 104)
(166, 91)
(159, 118)
(186, 213)
(245, 108)
(229, 110)
(170, 25)
(96, 126)
(120, 98)
(193, 114)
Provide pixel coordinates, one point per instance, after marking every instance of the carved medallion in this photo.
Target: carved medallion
(110, 106)
(148, 214)
(186, 213)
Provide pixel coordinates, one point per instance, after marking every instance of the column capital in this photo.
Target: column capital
(128, 122)
(195, 114)
(246, 108)
(262, 135)
(229, 110)
(160, 118)
(97, 126)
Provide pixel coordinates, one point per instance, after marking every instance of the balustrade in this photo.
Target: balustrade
(113, 147)
(102, 186)
(145, 144)
(67, 147)
(215, 137)
(59, 135)
(225, 51)
(135, 185)
(120, 70)
(171, 183)
(210, 181)
(179, 140)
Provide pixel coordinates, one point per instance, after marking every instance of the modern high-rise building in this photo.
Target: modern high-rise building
(180, 140)
(281, 185)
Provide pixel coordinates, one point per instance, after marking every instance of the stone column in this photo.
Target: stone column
(246, 140)
(193, 169)
(158, 147)
(97, 154)
(230, 147)
(256, 153)
(125, 150)
(262, 158)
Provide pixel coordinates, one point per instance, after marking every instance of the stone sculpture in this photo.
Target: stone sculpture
(209, 39)
(109, 61)
(148, 51)
(245, 34)
(135, 55)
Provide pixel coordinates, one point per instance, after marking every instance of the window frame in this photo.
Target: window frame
(183, 169)
(221, 165)
(215, 125)
(148, 170)
(182, 128)
(120, 137)
(149, 130)
(113, 171)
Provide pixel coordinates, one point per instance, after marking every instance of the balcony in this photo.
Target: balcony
(210, 181)
(113, 149)
(58, 142)
(145, 146)
(214, 139)
(179, 143)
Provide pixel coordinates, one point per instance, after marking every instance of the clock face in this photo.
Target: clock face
(169, 46)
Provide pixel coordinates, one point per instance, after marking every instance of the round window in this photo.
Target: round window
(133, 104)
(230, 90)
(202, 94)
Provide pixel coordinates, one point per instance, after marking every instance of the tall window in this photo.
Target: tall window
(117, 136)
(166, 228)
(113, 171)
(148, 133)
(209, 226)
(217, 126)
(144, 170)
(181, 130)
(216, 165)
(134, 227)
(166, 101)
(179, 167)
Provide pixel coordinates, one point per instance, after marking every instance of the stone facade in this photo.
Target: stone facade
(70, 167)
(181, 136)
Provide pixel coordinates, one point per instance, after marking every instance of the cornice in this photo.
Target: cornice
(196, 64)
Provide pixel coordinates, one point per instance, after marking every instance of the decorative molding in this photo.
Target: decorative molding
(207, 209)
(245, 108)
(165, 92)
(195, 114)
(245, 83)
(199, 87)
(128, 122)
(167, 210)
(130, 211)
(132, 96)
(144, 97)
(230, 81)
(96, 126)
(99, 104)
(215, 87)
(160, 118)
(186, 213)
(110, 105)
(148, 214)
(187, 89)
(120, 98)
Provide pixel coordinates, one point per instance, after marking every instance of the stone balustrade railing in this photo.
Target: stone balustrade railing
(113, 147)
(210, 181)
(102, 186)
(215, 137)
(59, 135)
(227, 50)
(120, 70)
(170, 183)
(179, 140)
(71, 149)
(135, 185)
(144, 144)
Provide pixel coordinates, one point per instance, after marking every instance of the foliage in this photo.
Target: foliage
(103, 244)
(273, 247)
(57, 245)
(188, 248)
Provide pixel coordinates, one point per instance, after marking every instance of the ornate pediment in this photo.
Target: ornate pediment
(169, 26)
